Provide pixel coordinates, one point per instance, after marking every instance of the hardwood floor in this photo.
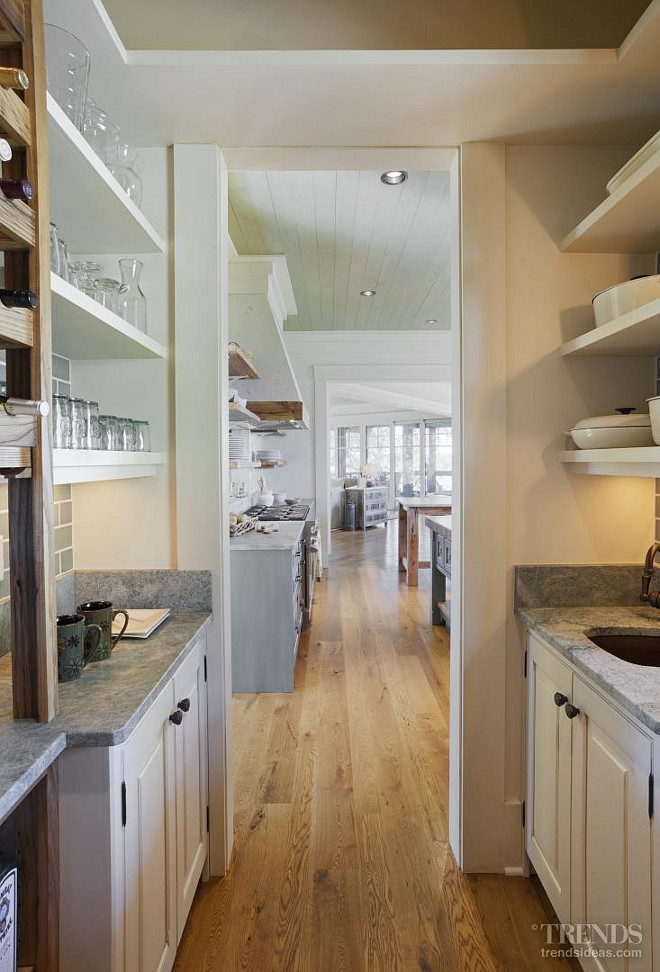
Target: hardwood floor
(341, 861)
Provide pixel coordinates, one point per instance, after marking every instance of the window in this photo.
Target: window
(378, 453)
(332, 453)
(438, 457)
(348, 451)
(407, 459)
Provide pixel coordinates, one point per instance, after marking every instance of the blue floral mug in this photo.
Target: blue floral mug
(76, 646)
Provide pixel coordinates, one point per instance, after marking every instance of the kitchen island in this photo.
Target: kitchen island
(409, 510)
(440, 527)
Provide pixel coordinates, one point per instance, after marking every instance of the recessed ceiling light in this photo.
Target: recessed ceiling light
(367, 293)
(394, 177)
(432, 320)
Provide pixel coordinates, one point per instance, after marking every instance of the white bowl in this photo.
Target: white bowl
(628, 437)
(624, 297)
(279, 498)
(654, 412)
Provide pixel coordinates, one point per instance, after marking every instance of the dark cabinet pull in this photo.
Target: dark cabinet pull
(571, 711)
(177, 717)
(560, 699)
(184, 705)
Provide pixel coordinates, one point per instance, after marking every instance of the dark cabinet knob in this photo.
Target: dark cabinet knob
(571, 711)
(177, 717)
(560, 699)
(184, 705)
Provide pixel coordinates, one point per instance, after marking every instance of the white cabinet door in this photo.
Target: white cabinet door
(549, 775)
(611, 830)
(191, 779)
(150, 841)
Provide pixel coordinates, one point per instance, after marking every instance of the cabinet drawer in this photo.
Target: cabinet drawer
(439, 551)
(447, 556)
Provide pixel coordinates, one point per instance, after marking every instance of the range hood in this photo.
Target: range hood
(260, 300)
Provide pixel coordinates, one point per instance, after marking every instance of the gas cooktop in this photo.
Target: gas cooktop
(297, 512)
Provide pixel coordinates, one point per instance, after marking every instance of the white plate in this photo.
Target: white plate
(141, 621)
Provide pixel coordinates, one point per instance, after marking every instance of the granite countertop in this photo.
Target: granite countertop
(440, 524)
(287, 536)
(101, 708)
(635, 687)
(443, 499)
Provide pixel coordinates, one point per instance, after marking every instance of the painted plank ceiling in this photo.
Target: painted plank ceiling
(344, 232)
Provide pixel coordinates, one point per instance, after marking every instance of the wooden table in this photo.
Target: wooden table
(409, 508)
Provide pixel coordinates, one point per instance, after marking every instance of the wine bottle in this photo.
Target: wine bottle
(14, 78)
(5, 150)
(18, 298)
(17, 189)
(23, 406)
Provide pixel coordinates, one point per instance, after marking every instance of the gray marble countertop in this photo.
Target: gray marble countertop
(423, 502)
(440, 524)
(635, 687)
(101, 708)
(286, 538)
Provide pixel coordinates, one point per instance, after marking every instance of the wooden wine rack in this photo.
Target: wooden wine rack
(26, 461)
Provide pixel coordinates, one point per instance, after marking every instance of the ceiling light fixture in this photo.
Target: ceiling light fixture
(394, 177)
(367, 293)
(432, 320)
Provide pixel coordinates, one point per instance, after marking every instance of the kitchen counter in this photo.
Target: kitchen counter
(101, 708)
(288, 535)
(440, 524)
(635, 687)
(409, 512)
(421, 502)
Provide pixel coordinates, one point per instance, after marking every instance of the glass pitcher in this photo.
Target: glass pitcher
(132, 302)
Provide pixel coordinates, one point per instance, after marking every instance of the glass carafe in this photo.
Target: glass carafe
(132, 302)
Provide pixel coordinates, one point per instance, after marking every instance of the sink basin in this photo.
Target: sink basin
(636, 647)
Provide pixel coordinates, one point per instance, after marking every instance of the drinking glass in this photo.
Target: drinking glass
(89, 277)
(129, 180)
(93, 440)
(61, 422)
(101, 133)
(106, 432)
(75, 273)
(126, 435)
(64, 259)
(132, 302)
(142, 436)
(108, 293)
(67, 70)
(54, 250)
(79, 423)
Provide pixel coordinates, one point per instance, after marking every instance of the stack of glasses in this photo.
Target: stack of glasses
(78, 425)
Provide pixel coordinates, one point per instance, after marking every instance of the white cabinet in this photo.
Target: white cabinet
(589, 826)
(191, 783)
(611, 830)
(549, 777)
(133, 831)
(150, 840)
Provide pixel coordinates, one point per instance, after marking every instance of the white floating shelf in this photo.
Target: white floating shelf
(85, 330)
(628, 221)
(242, 416)
(615, 462)
(92, 466)
(636, 334)
(92, 211)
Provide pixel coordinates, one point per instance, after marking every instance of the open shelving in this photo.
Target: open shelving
(242, 416)
(243, 464)
(628, 221)
(635, 334)
(92, 211)
(239, 365)
(85, 330)
(92, 466)
(615, 462)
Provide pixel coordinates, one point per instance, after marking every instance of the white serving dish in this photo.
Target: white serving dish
(624, 297)
(654, 410)
(620, 431)
(279, 498)
(631, 166)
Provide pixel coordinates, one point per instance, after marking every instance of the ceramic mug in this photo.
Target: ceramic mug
(103, 614)
(73, 639)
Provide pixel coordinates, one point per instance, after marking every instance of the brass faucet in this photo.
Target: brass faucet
(649, 570)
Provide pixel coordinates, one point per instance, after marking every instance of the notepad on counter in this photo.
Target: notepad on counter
(141, 621)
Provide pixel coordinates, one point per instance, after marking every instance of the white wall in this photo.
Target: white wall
(110, 527)
(549, 515)
(351, 355)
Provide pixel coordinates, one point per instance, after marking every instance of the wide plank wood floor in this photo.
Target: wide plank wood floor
(341, 861)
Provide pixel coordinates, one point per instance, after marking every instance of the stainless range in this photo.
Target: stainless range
(299, 511)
